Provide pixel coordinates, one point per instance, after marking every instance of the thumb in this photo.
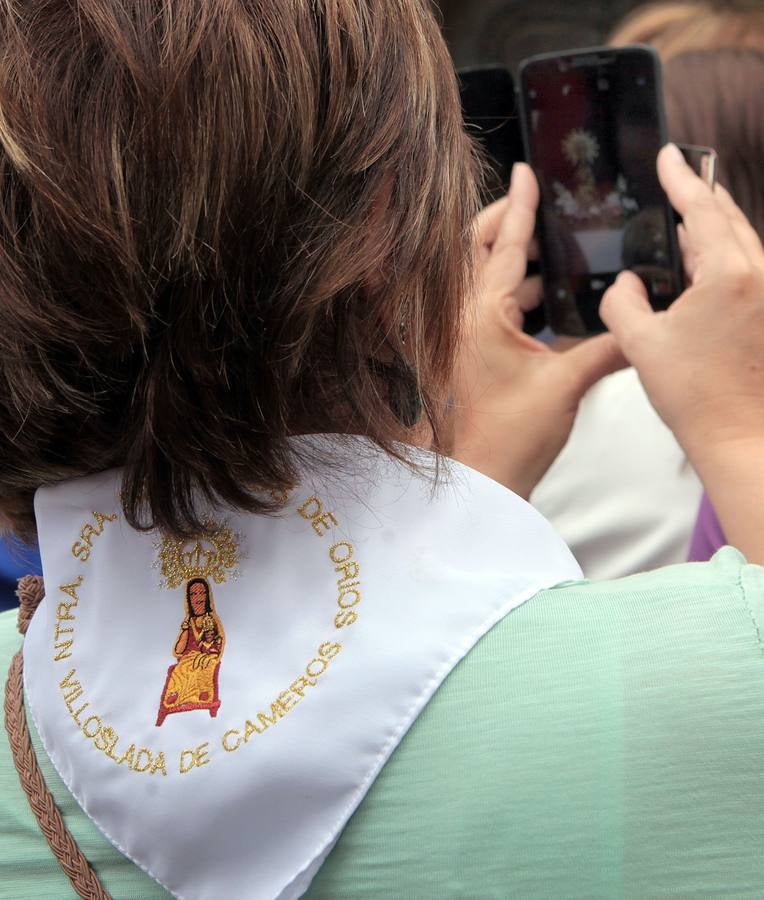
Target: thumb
(591, 360)
(625, 308)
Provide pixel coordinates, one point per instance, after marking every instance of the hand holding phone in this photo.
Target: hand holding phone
(703, 161)
(700, 362)
(514, 399)
(593, 124)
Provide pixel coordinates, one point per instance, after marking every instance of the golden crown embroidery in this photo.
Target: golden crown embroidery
(192, 680)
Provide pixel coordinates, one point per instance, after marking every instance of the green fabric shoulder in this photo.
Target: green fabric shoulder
(602, 741)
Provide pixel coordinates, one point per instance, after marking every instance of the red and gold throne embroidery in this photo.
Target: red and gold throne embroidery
(192, 680)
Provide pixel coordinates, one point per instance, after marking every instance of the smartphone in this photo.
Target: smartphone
(592, 124)
(489, 109)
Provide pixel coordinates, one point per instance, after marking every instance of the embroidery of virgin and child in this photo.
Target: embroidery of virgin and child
(192, 681)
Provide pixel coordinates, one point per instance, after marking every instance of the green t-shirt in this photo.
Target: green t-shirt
(602, 741)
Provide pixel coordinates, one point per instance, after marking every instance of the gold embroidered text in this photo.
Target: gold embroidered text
(348, 585)
(63, 630)
(286, 700)
(194, 758)
(82, 548)
(342, 556)
(103, 736)
(320, 519)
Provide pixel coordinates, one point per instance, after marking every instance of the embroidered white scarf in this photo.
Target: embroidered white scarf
(219, 708)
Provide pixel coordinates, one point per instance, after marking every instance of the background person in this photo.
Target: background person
(622, 493)
(681, 26)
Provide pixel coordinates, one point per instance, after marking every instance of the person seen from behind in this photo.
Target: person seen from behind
(266, 402)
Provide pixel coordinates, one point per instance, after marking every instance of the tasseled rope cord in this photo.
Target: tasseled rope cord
(85, 882)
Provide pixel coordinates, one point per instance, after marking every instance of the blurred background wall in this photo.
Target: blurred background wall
(505, 31)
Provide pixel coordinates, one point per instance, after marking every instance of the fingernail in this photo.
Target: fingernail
(674, 155)
(515, 170)
(518, 167)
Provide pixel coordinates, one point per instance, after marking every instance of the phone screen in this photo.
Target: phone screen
(593, 125)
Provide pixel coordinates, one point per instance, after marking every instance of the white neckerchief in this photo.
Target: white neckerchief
(332, 626)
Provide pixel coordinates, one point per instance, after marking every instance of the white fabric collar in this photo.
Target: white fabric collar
(347, 613)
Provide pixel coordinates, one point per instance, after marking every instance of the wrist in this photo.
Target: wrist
(732, 472)
(711, 423)
(723, 446)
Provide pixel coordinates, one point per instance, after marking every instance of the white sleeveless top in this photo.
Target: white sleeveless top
(220, 707)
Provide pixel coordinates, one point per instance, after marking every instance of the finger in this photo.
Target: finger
(680, 182)
(689, 256)
(522, 300)
(708, 228)
(745, 232)
(528, 296)
(626, 310)
(489, 220)
(592, 360)
(517, 227)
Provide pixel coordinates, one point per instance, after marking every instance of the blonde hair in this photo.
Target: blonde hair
(689, 25)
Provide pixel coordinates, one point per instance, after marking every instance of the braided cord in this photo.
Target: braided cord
(84, 880)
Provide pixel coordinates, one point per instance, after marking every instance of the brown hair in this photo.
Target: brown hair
(713, 97)
(215, 219)
(679, 26)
